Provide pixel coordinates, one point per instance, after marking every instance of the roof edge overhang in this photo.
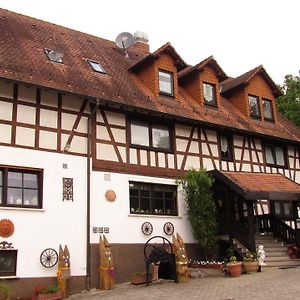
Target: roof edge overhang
(254, 195)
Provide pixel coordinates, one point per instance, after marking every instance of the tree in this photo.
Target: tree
(289, 103)
(201, 211)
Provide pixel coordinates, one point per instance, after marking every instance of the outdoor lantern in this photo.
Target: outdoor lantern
(298, 223)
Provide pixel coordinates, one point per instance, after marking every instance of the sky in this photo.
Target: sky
(240, 34)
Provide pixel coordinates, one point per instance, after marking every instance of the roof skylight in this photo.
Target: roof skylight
(96, 66)
(54, 55)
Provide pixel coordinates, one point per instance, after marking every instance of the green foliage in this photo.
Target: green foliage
(5, 291)
(251, 256)
(201, 211)
(289, 103)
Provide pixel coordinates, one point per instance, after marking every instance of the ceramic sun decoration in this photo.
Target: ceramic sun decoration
(261, 253)
(181, 259)
(106, 268)
(63, 272)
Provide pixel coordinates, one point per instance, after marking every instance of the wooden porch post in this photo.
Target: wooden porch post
(251, 225)
(295, 215)
(229, 217)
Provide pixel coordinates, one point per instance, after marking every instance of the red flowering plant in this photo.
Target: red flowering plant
(44, 289)
(293, 251)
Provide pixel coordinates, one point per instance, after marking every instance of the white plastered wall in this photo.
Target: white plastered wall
(59, 222)
(123, 227)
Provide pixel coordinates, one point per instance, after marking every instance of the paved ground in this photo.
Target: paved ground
(272, 283)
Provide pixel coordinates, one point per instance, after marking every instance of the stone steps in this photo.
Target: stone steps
(276, 252)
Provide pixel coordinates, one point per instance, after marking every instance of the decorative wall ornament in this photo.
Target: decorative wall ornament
(110, 195)
(147, 228)
(49, 258)
(169, 228)
(68, 189)
(5, 245)
(7, 228)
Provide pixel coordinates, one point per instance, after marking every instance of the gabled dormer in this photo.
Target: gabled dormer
(159, 71)
(254, 94)
(202, 82)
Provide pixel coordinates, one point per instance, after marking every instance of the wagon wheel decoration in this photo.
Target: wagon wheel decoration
(147, 228)
(158, 244)
(169, 228)
(49, 258)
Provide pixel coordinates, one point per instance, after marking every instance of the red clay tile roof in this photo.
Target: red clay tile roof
(243, 79)
(260, 185)
(209, 60)
(22, 58)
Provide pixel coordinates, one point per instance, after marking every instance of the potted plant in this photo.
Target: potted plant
(140, 278)
(50, 292)
(234, 266)
(5, 291)
(250, 262)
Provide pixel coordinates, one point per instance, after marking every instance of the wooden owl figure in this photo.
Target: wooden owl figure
(63, 272)
(107, 276)
(181, 259)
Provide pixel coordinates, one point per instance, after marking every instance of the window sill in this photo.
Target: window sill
(154, 216)
(210, 105)
(276, 166)
(22, 209)
(9, 277)
(149, 148)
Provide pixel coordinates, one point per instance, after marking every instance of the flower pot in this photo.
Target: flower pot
(250, 266)
(140, 278)
(235, 269)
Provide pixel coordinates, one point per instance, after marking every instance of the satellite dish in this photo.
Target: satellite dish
(124, 40)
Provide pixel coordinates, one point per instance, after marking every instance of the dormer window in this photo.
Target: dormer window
(97, 67)
(209, 93)
(54, 55)
(254, 106)
(166, 83)
(268, 110)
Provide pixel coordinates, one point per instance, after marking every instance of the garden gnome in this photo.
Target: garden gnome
(261, 254)
(63, 272)
(181, 259)
(106, 268)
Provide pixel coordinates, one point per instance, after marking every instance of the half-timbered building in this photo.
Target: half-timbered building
(92, 141)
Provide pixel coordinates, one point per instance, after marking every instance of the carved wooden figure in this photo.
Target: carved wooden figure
(63, 272)
(181, 259)
(106, 268)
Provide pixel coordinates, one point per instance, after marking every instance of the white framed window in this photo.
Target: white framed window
(166, 84)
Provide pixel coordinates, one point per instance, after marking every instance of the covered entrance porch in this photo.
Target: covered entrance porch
(248, 203)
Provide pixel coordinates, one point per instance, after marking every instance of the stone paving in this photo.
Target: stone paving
(272, 283)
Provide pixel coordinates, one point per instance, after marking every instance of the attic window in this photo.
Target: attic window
(54, 55)
(166, 85)
(97, 67)
(268, 110)
(254, 106)
(209, 92)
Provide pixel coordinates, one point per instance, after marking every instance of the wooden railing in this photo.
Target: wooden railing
(270, 223)
(240, 231)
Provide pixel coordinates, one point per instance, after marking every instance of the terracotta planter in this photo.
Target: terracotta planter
(50, 296)
(235, 269)
(250, 266)
(140, 278)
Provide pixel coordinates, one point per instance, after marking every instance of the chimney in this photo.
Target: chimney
(141, 41)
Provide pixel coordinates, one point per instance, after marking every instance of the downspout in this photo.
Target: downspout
(88, 193)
